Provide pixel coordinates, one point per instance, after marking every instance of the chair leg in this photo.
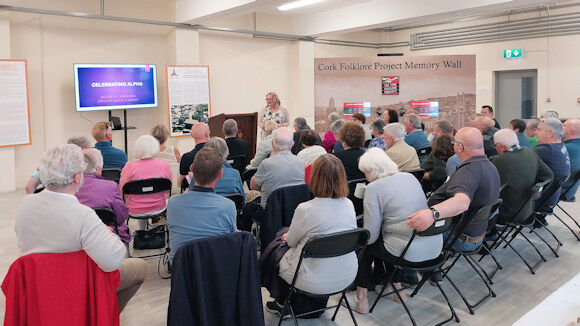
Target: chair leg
(531, 268)
(565, 212)
(459, 292)
(518, 230)
(403, 303)
(498, 265)
(554, 251)
(378, 298)
(421, 283)
(453, 314)
(552, 234)
(348, 306)
(286, 305)
(566, 224)
(534, 246)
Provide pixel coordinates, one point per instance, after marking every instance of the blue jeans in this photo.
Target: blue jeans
(461, 246)
(567, 185)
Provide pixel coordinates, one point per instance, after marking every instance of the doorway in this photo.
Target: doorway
(515, 95)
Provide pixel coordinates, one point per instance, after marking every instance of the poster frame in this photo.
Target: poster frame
(167, 95)
(27, 103)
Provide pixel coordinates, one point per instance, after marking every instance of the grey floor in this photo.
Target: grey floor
(517, 289)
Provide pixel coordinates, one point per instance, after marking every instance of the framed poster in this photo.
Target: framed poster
(188, 97)
(390, 85)
(14, 105)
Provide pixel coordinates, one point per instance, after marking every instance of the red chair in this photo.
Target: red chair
(60, 289)
(307, 174)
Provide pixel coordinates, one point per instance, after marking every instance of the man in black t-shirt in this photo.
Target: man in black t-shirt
(474, 184)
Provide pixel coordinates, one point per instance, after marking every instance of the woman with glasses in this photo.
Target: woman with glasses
(273, 111)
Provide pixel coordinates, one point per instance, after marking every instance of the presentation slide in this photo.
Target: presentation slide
(426, 109)
(115, 86)
(357, 107)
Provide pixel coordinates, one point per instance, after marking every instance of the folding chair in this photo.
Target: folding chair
(147, 187)
(427, 268)
(419, 173)
(113, 174)
(575, 178)
(535, 193)
(327, 246)
(238, 162)
(357, 202)
(238, 199)
(423, 152)
(108, 217)
(247, 176)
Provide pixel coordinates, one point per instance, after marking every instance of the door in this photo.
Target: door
(515, 95)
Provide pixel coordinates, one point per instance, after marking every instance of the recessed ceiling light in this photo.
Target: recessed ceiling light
(298, 4)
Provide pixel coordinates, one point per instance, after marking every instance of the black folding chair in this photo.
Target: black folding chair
(238, 162)
(576, 179)
(357, 202)
(423, 152)
(108, 217)
(113, 174)
(427, 268)
(238, 199)
(512, 226)
(147, 187)
(247, 176)
(37, 190)
(367, 142)
(327, 246)
(480, 216)
(419, 173)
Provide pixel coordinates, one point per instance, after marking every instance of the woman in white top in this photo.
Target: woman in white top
(264, 147)
(311, 151)
(273, 111)
(329, 212)
(169, 154)
(389, 198)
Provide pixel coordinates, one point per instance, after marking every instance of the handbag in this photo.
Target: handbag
(150, 239)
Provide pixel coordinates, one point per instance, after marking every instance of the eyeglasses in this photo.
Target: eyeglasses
(453, 141)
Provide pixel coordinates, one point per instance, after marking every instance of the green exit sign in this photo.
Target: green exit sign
(512, 53)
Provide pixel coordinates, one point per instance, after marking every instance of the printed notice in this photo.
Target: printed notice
(14, 118)
(188, 97)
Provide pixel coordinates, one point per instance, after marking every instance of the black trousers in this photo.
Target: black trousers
(253, 211)
(374, 252)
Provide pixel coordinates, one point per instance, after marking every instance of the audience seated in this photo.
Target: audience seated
(519, 170)
(487, 111)
(415, 137)
(389, 199)
(230, 181)
(200, 212)
(377, 131)
(264, 147)
(474, 184)
(352, 137)
(168, 154)
(329, 139)
(145, 167)
(436, 163)
(530, 132)
(335, 128)
(200, 133)
(112, 157)
(311, 151)
(554, 153)
(300, 126)
(236, 146)
(486, 126)
(519, 127)
(390, 116)
(98, 192)
(572, 141)
(281, 170)
(330, 211)
(360, 119)
(398, 150)
(53, 221)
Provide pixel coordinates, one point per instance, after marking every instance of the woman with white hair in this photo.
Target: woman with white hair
(264, 147)
(329, 139)
(390, 197)
(98, 192)
(145, 167)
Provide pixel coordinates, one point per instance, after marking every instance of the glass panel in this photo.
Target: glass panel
(528, 98)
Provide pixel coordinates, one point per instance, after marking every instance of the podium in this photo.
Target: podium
(247, 128)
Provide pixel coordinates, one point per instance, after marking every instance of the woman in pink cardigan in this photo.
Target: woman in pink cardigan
(145, 167)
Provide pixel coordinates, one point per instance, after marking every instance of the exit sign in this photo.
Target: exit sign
(512, 53)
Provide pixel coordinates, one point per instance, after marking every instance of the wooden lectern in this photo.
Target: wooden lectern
(247, 128)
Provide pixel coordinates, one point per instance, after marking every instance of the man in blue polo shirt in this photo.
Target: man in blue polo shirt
(572, 141)
(200, 212)
(415, 136)
(112, 157)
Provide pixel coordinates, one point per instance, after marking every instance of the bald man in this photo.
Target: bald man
(486, 126)
(199, 133)
(572, 141)
(474, 184)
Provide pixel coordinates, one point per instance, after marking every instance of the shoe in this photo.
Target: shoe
(436, 276)
(273, 307)
(539, 222)
(491, 237)
(410, 278)
(571, 200)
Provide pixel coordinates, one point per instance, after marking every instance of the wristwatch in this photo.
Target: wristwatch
(436, 215)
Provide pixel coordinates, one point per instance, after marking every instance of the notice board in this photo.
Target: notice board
(188, 97)
(14, 111)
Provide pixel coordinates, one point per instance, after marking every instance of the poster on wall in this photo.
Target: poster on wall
(14, 110)
(435, 86)
(188, 98)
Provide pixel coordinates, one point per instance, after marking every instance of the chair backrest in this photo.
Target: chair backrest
(335, 244)
(419, 173)
(147, 186)
(247, 175)
(438, 227)
(357, 202)
(550, 191)
(113, 174)
(423, 152)
(238, 199)
(238, 162)
(106, 215)
(574, 177)
(481, 215)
